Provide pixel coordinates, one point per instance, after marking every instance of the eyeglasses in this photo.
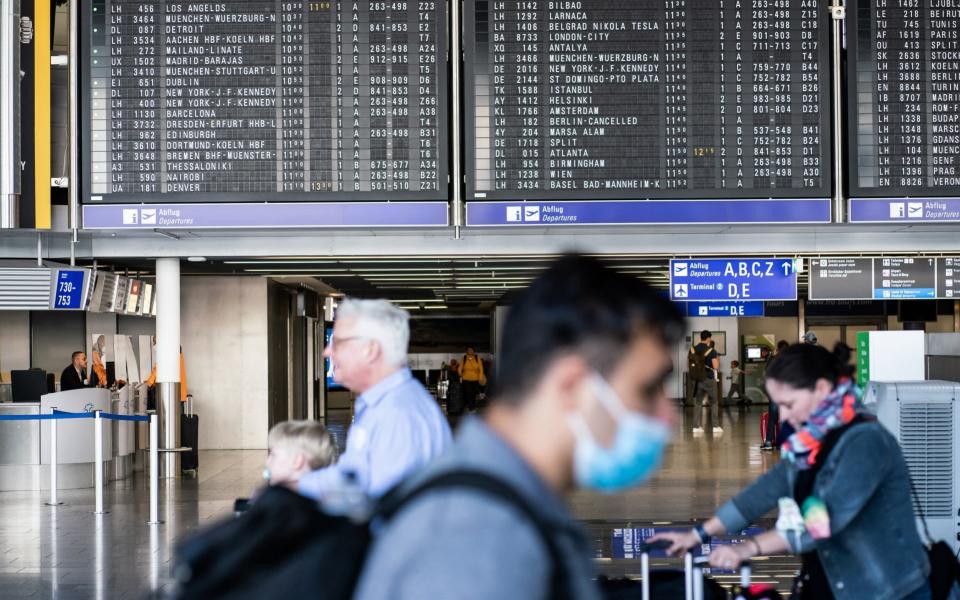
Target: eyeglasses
(335, 341)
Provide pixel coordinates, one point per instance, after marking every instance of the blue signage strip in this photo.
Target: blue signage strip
(274, 215)
(68, 290)
(904, 210)
(904, 294)
(716, 279)
(724, 309)
(648, 212)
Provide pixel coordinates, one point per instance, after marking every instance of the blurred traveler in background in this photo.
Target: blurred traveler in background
(473, 376)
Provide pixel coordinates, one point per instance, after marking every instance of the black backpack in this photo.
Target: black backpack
(286, 546)
(696, 365)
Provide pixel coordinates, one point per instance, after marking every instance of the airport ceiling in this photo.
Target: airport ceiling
(460, 284)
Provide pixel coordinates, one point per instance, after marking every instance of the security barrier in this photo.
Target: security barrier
(98, 417)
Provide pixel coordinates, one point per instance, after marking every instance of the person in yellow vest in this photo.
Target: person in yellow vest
(152, 379)
(99, 368)
(472, 375)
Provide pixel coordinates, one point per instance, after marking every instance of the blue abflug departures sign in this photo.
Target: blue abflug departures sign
(721, 279)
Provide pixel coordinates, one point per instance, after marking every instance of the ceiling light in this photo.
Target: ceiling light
(196, 259)
(318, 271)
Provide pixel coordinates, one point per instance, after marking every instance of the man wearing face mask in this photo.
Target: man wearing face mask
(579, 403)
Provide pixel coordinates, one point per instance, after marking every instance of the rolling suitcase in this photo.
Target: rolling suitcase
(189, 438)
(765, 424)
(455, 399)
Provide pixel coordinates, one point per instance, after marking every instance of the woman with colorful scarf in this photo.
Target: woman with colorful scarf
(842, 487)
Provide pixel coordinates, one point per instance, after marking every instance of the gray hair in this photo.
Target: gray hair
(382, 322)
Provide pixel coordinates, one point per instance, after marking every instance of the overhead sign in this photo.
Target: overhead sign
(948, 277)
(889, 278)
(724, 309)
(904, 210)
(715, 279)
(641, 212)
(904, 278)
(841, 278)
(266, 216)
(68, 289)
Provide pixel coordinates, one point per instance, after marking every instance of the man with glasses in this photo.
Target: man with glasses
(397, 424)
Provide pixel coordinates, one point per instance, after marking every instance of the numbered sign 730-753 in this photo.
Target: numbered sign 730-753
(719, 279)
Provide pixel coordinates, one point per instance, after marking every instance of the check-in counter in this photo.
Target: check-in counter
(25, 445)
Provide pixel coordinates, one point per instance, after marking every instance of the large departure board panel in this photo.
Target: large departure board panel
(649, 99)
(904, 98)
(260, 100)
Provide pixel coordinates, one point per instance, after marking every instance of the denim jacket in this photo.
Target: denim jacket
(874, 550)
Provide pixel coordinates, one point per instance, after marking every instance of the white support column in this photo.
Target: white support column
(168, 363)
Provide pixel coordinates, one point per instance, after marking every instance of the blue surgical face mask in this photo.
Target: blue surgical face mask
(635, 453)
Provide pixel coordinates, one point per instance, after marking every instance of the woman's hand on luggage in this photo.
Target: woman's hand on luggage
(730, 557)
(680, 541)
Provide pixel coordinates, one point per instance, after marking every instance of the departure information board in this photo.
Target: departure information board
(904, 100)
(264, 100)
(590, 99)
(841, 278)
(885, 278)
(904, 278)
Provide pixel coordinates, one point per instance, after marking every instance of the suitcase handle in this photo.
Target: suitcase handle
(645, 569)
(746, 573)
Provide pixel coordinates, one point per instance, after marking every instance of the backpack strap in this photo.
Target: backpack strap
(395, 500)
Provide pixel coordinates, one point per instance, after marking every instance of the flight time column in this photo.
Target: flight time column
(320, 42)
(676, 147)
(291, 155)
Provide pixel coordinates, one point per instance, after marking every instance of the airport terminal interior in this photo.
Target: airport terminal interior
(190, 191)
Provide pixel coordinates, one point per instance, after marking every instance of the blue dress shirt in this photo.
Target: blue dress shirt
(397, 428)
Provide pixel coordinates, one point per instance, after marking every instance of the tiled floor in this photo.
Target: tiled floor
(68, 552)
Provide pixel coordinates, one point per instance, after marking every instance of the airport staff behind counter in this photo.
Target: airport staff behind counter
(74, 376)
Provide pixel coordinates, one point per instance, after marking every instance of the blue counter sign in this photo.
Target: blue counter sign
(719, 279)
(68, 291)
(724, 309)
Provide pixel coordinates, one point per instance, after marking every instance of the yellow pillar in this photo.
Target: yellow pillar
(42, 27)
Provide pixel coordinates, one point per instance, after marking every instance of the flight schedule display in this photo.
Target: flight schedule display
(264, 100)
(904, 97)
(682, 99)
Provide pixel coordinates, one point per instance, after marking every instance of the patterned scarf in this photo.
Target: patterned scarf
(836, 410)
